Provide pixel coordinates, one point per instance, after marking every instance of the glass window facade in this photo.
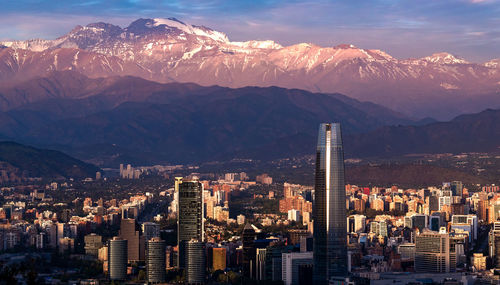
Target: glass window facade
(329, 210)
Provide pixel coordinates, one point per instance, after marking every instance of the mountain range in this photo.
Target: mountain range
(125, 119)
(441, 85)
(19, 161)
(129, 119)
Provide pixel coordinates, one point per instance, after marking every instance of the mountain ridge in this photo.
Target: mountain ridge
(170, 50)
(27, 161)
(179, 121)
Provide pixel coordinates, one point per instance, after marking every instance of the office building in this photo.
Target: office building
(129, 232)
(150, 230)
(434, 223)
(190, 215)
(117, 259)
(248, 237)
(260, 264)
(467, 223)
(93, 243)
(329, 211)
(494, 245)
(218, 258)
(407, 251)
(482, 211)
(478, 260)
(434, 253)
(195, 262)
(456, 188)
(356, 223)
(294, 215)
(290, 266)
(155, 260)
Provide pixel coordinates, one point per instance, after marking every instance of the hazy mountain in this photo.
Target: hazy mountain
(43, 163)
(167, 50)
(176, 122)
(118, 119)
(466, 133)
(407, 175)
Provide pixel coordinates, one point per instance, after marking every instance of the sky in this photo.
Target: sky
(403, 28)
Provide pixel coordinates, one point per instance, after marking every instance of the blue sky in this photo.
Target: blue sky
(403, 28)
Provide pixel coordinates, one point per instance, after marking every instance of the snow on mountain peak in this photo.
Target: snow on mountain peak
(494, 63)
(189, 29)
(344, 46)
(445, 58)
(258, 44)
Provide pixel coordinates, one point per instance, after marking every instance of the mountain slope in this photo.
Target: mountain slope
(467, 133)
(178, 122)
(43, 163)
(168, 50)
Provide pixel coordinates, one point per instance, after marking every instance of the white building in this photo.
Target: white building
(240, 219)
(294, 215)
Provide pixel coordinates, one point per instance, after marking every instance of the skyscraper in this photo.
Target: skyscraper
(195, 262)
(330, 238)
(248, 237)
(494, 244)
(457, 188)
(155, 260)
(129, 232)
(117, 258)
(190, 215)
(434, 253)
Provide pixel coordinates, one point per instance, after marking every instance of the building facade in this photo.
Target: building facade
(190, 215)
(330, 237)
(155, 260)
(117, 259)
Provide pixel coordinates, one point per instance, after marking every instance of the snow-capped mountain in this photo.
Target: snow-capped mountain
(167, 50)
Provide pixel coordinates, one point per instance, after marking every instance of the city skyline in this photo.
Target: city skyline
(250, 142)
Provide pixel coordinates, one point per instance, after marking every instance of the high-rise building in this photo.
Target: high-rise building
(433, 202)
(482, 212)
(195, 262)
(467, 223)
(434, 253)
(456, 188)
(407, 251)
(356, 223)
(383, 228)
(93, 243)
(155, 260)
(494, 244)
(218, 258)
(330, 237)
(290, 266)
(434, 223)
(117, 259)
(190, 217)
(150, 230)
(260, 264)
(248, 237)
(129, 232)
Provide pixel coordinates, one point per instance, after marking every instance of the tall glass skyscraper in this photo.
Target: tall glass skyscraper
(117, 259)
(155, 260)
(329, 208)
(190, 215)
